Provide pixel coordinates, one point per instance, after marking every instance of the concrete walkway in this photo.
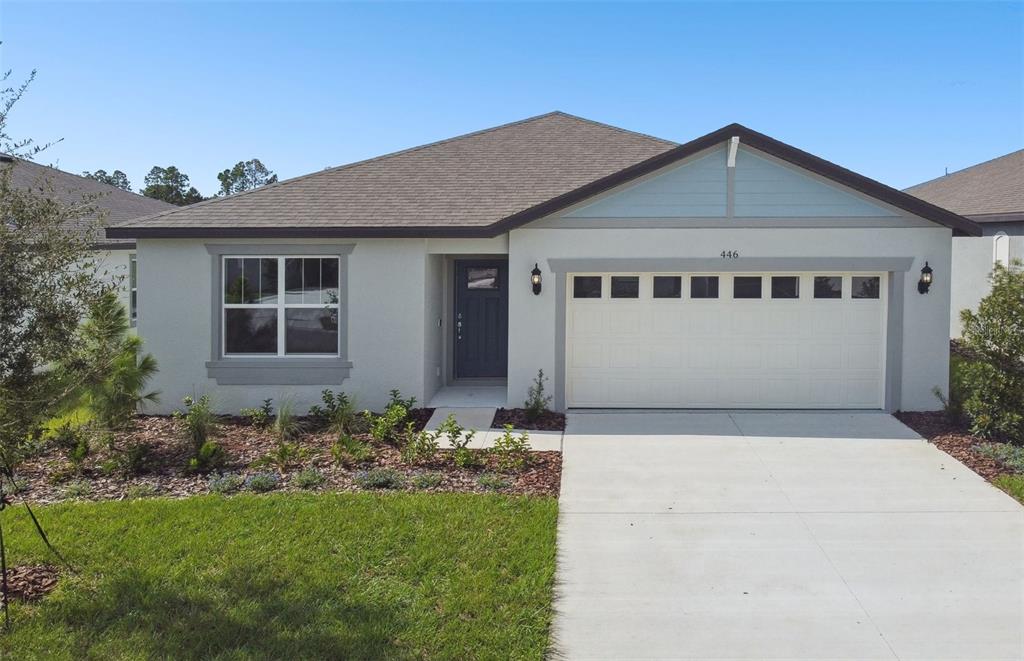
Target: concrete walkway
(780, 536)
(479, 419)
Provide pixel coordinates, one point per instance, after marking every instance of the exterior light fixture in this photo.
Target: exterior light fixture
(926, 279)
(535, 279)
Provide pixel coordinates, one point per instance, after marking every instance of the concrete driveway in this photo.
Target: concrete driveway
(780, 536)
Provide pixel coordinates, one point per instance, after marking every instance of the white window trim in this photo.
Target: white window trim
(281, 306)
(133, 289)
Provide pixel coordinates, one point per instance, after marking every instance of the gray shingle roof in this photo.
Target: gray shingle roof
(471, 181)
(991, 191)
(121, 206)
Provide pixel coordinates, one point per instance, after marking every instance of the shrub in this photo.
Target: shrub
(348, 451)
(953, 404)
(537, 402)
(493, 482)
(396, 400)
(73, 444)
(427, 480)
(208, 457)
(144, 490)
(308, 478)
(380, 478)
(1008, 455)
(460, 438)
(338, 412)
(994, 335)
(199, 420)
(286, 425)
(77, 489)
(384, 428)
(226, 483)
(130, 461)
(261, 482)
(512, 452)
(418, 446)
(283, 456)
(260, 417)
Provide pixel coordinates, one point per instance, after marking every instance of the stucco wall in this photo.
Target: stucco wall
(532, 343)
(972, 264)
(115, 264)
(385, 317)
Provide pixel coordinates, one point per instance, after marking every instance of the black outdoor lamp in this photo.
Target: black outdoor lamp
(535, 279)
(926, 279)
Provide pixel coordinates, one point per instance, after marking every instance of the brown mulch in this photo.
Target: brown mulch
(31, 582)
(48, 477)
(548, 421)
(420, 418)
(954, 440)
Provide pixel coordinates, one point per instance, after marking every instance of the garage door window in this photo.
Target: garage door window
(668, 286)
(704, 286)
(586, 286)
(625, 286)
(745, 286)
(828, 286)
(785, 286)
(866, 287)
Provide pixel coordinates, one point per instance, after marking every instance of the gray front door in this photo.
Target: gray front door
(481, 318)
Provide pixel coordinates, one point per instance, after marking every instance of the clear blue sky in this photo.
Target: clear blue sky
(894, 91)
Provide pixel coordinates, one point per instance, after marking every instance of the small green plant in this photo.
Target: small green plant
(396, 400)
(225, 483)
(460, 438)
(418, 447)
(493, 482)
(427, 480)
(283, 456)
(349, 451)
(1008, 455)
(199, 420)
(537, 402)
(73, 444)
(1011, 484)
(512, 452)
(308, 478)
(287, 426)
(143, 490)
(384, 428)
(338, 413)
(260, 417)
(133, 460)
(209, 456)
(261, 482)
(379, 478)
(77, 489)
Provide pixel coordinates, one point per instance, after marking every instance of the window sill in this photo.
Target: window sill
(279, 371)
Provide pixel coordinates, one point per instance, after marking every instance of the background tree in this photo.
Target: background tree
(116, 178)
(170, 185)
(245, 175)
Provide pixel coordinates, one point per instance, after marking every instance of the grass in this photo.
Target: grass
(359, 576)
(1011, 484)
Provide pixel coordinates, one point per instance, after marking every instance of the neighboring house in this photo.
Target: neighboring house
(992, 195)
(116, 256)
(733, 271)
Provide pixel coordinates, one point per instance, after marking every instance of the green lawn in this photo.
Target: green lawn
(338, 576)
(1012, 484)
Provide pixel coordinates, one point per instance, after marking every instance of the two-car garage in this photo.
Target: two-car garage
(726, 340)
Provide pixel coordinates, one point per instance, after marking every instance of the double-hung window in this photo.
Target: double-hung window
(280, 306)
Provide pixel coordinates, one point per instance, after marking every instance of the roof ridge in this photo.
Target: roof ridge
(93, 182)
(345, 166)
(962, 170)
(615, 128)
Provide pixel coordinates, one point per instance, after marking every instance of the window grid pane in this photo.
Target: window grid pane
(668, 286)
(785, 286)
(625, 286)
(704, 286)
(745, 286)
(828, 286)
(586, 286)
(866, 287)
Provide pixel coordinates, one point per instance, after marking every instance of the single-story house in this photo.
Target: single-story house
(732, 271)
(992, 195)
(116, 257)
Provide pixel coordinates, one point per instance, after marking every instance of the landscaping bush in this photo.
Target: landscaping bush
(953, 404)
(286, 425)
(73, 443)
(136, 459)
(77, 489)
(994, 335)
(199, 420)
(460, 438)
(493, 482)
(283, 456)
(427, 480)
(338, 413)
(226, 483)
(385, 428)
(261, 482)
(260, 417)
(379, 478)
(512, 452)
(349, 451)
(537, 402)
(418, 447)
(209, 456)
(1009, 455)
(308, 478)
(396, 400)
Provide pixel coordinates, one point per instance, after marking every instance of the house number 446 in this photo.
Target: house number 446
(730, 254)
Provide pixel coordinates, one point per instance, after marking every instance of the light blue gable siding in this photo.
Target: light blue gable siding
(694, 189)
(765, 189)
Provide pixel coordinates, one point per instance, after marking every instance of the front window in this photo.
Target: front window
(266, 314)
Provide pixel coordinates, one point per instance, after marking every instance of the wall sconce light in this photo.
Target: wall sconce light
(926, 279)
(535, 279)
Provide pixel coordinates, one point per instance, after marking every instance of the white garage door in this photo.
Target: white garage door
(724, 340)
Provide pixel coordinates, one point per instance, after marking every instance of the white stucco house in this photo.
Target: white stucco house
(733, 271)
(116, 257)
(992, 195)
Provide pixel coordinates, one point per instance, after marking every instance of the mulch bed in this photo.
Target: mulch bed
(48, 477)
(548, 421)
(954, 440)
(31, 582)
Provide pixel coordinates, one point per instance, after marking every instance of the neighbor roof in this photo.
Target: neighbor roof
(120, 205)
(988, 192)
(480, 184)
